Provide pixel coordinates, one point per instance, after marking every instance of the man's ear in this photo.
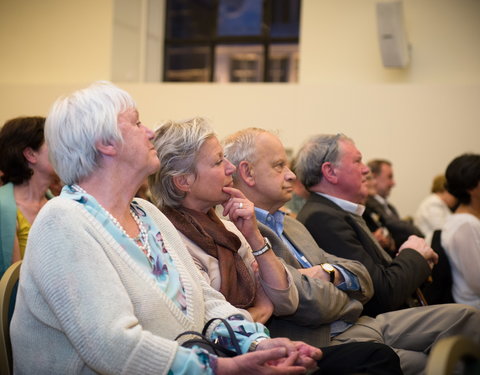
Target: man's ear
(30, 154)
(246, 173)
(106, 148)
(329, 173)
(183, 182)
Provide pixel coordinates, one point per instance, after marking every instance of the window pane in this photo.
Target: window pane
(285, 18)
(239, 63)
(239, 17)
(187, 64)
(283, 63)
(190, 19)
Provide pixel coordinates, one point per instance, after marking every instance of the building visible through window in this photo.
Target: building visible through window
(231, 40)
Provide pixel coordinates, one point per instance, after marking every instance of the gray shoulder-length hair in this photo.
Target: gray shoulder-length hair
(240, 146)
(177, 145)
(76, 122)
(316, 151)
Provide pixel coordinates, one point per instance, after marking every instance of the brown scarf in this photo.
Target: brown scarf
(208, 232)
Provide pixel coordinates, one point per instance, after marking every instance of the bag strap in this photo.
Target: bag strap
(233, 338)
(202, 342)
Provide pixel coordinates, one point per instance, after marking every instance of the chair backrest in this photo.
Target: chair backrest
(449, 351)
(7, 301)
(440, 289)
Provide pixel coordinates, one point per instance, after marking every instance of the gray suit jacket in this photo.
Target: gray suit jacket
(321, 303)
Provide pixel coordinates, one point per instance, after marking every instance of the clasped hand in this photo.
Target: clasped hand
(273, 356)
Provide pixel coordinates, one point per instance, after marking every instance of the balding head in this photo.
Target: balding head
(262, 167)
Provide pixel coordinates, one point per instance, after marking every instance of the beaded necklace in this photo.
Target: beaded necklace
(141, 240)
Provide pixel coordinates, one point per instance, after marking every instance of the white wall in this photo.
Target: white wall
(420, 118)
(55, 41)
(339, 43)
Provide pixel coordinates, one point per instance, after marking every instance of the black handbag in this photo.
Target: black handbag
(212, 347)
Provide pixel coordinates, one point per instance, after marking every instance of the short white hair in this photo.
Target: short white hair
(241, 146)
(76, 122)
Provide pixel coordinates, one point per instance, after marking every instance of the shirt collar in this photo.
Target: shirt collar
(274, 222)
(354, 208)
(381, 199)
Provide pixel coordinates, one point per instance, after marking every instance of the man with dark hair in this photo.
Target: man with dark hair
(331, 289)
(388, 215)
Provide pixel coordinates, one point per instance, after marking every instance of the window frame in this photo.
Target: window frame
(264, 39)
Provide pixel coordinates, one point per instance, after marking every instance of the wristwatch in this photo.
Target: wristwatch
(327, 267)
(264, 249)
(254, 344)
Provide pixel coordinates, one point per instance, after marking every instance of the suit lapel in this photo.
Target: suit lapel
(279, 247)
(364, 235)
(301, 239)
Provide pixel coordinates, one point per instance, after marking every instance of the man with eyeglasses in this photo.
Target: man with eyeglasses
(331, 289)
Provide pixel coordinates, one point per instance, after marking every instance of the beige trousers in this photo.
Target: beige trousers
(412, 332)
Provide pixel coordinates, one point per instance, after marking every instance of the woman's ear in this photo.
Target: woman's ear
(183, 182)
(246, 173)
(329, 173)
(30, 154)
(106, 148)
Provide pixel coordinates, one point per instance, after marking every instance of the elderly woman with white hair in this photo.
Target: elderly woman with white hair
(107, 284)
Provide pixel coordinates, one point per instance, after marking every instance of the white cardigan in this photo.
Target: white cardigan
(84, 306)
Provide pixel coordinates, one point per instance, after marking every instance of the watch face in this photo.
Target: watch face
(328, 267)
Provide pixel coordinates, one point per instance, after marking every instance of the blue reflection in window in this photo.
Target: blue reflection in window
(285, 18)
(239, 17)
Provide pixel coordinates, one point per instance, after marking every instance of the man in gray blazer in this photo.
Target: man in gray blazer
(331, 289)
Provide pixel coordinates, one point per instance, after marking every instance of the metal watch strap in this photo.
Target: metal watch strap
(264, 249)
(254, 344)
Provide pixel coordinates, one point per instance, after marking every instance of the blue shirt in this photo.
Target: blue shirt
(275, 223)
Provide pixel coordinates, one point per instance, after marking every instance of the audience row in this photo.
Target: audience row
(109, 280)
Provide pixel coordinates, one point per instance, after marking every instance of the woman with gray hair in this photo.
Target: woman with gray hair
(195, 177)
(107, 284)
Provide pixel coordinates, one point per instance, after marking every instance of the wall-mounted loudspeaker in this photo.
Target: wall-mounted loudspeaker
(392, 37)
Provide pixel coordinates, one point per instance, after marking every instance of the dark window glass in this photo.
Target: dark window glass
(283, 63)
(285, 18)
(188, 64)
(189, 19)
(232, 40)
